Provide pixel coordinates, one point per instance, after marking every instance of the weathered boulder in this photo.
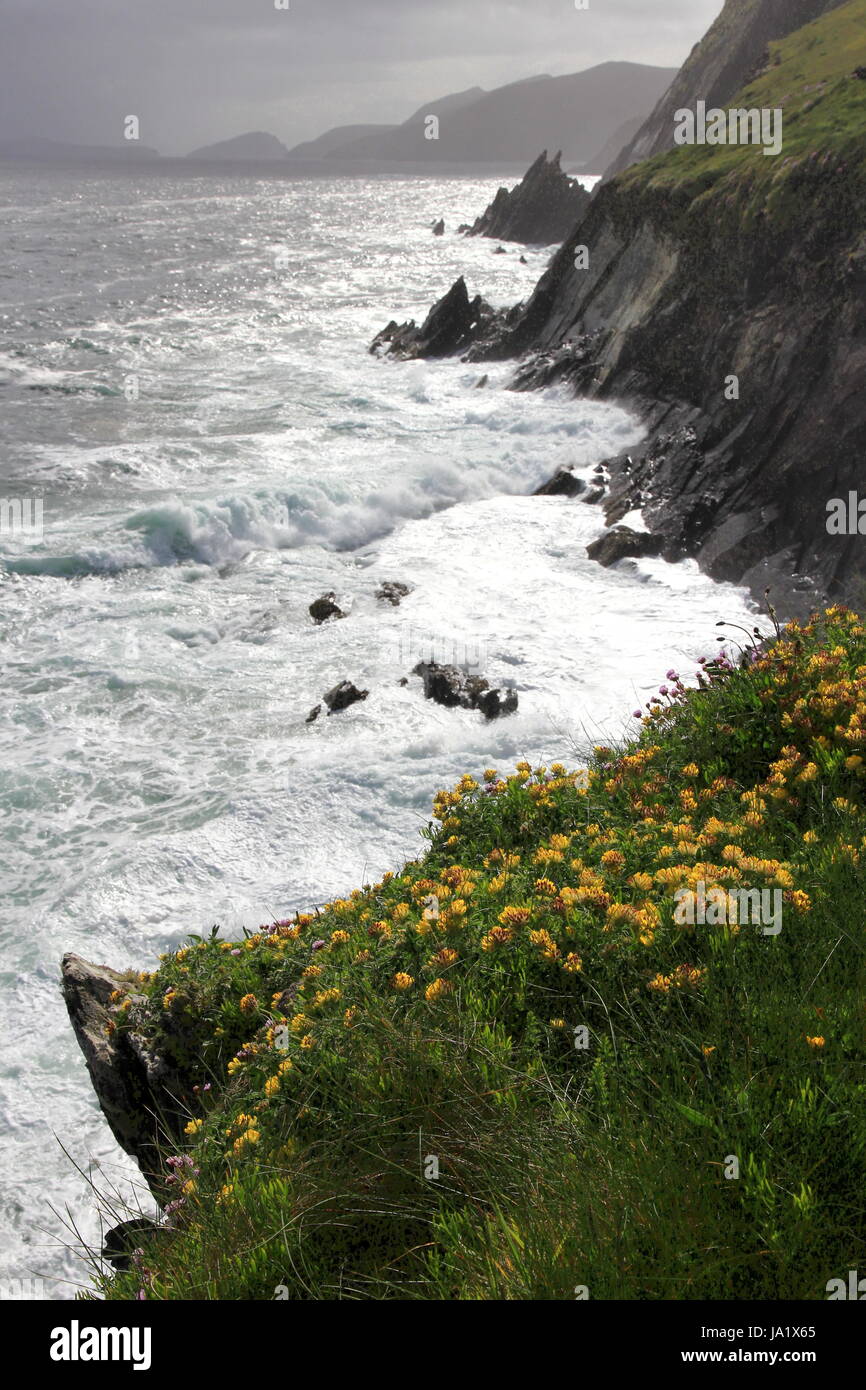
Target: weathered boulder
(562, 484)
(439, 228)
(544, 207)
(622, 541)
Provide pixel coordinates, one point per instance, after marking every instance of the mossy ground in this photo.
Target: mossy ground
(431, 1024)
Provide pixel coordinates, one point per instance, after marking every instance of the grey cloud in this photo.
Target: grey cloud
(202, 70)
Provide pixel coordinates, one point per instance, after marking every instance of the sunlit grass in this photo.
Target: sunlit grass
(400, 1101)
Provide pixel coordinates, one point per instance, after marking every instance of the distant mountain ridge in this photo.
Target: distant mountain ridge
(578, 113)
(38, 150)
(326, 144)
(254, 145)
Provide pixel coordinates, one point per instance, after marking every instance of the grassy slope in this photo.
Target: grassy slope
(810, 78)
(372, 1036)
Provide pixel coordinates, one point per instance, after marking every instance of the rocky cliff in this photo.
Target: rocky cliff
(722, 293)
(142, 1095)
(543, 208)
(731, 50)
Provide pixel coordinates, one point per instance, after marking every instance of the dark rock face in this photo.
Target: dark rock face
(120, 1242)
(455, 690)
(541, 210)
(562, 484)
(342, 696)
(392, 591)
(620, 542)
(439, 228)
(453, 323)
(313, 714)
(323, 609)
(139, 1093)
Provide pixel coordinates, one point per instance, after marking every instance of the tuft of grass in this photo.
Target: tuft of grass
(511, 1070)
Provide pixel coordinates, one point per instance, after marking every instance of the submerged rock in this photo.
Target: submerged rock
(392, 591)
(455, 689)
(342, 696)
(544, 207)
(323, 609)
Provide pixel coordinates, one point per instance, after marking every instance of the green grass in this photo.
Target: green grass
(810, 77)
(406, 1037)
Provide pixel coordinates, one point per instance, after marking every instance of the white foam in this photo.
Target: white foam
(159, 659)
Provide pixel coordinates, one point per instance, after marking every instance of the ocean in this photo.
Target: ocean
(185, 387)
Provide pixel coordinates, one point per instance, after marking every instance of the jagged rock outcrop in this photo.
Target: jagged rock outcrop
(455, 689)
(542, 209)
(731, 50)
(454, 322)
(141, 1096)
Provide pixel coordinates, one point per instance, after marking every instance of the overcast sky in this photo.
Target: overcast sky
(195, 71)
